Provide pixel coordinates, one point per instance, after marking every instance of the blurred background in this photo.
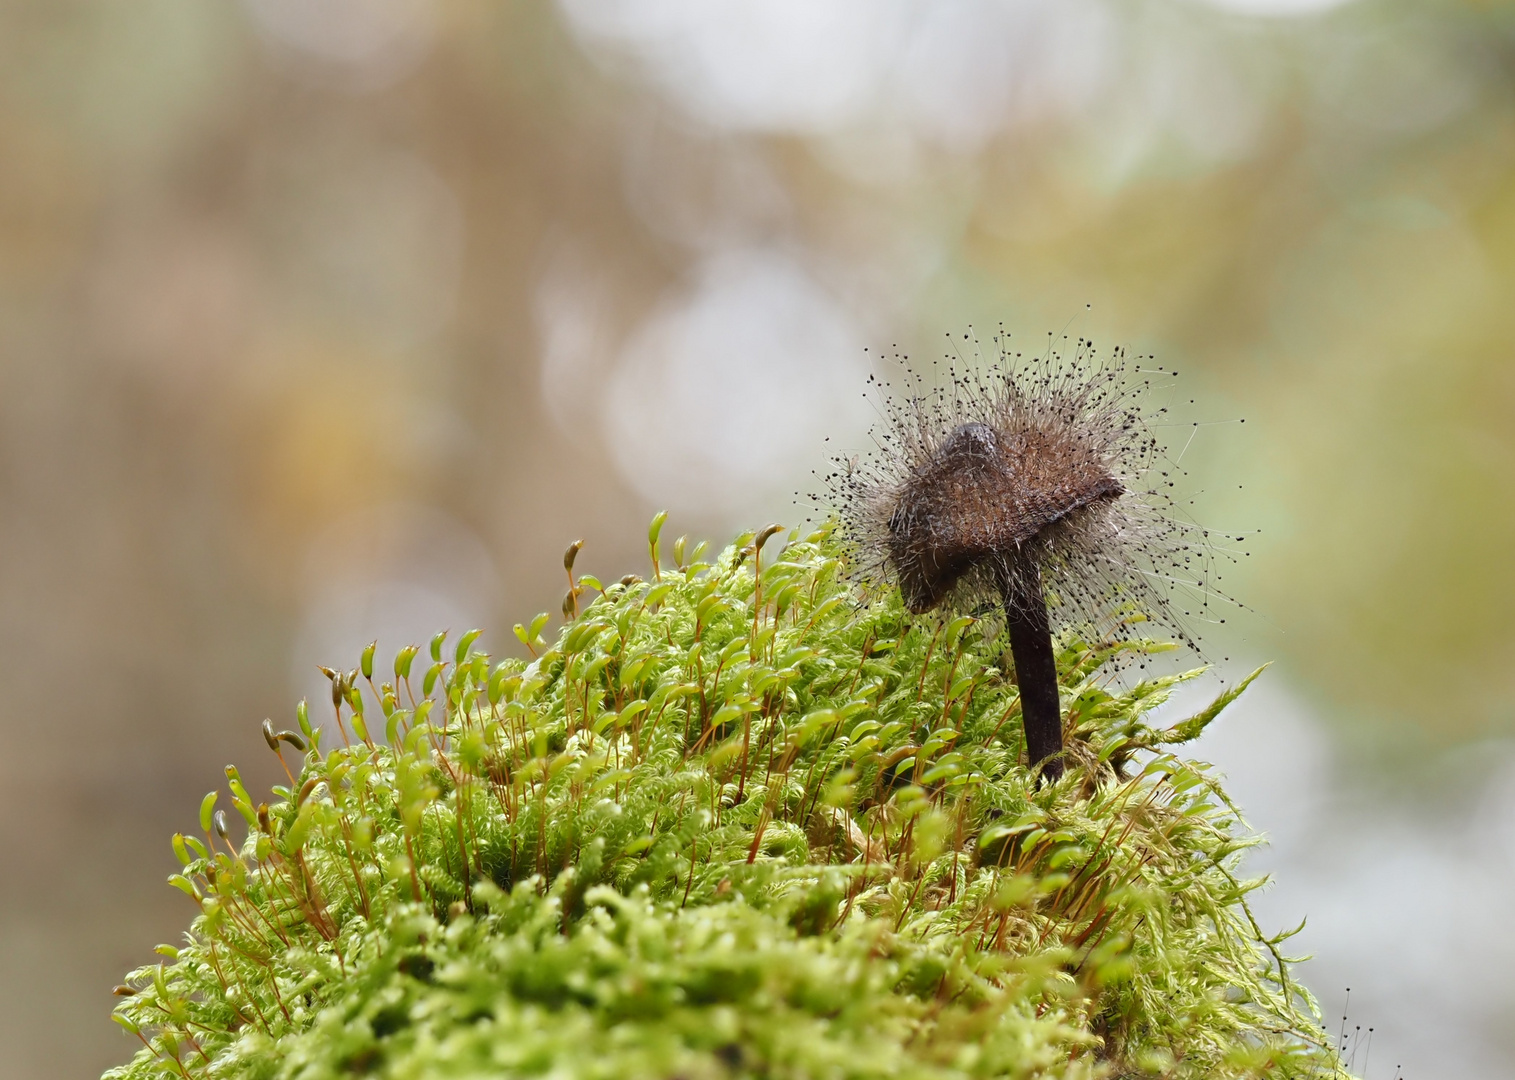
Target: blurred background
(331, 320)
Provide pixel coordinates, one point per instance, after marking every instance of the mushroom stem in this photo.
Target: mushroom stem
(1035, 665)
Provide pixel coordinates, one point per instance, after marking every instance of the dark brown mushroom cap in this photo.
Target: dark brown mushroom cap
(981, 497)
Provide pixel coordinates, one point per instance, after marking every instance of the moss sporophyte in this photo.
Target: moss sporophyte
(752, 817)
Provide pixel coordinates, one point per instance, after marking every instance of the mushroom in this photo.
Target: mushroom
(1042, 486)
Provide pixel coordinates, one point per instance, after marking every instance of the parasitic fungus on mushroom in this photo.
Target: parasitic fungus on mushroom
(1039, 485)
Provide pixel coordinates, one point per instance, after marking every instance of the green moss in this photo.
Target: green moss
(726, 826)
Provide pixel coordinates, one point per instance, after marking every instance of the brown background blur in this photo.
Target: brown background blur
(326, 320)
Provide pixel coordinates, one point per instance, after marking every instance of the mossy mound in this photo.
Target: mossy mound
(736, 821)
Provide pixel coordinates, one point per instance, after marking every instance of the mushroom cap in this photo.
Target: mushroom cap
(982, 496)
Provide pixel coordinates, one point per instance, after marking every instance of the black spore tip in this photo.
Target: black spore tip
(1039, 483)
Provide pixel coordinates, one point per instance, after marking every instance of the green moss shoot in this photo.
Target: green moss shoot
(737, 820)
